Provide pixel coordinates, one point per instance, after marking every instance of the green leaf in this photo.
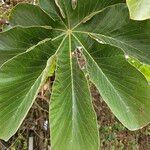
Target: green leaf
(56, 40)
(82, 12)
(29, 15)
(18, 40)
(20, 81)
(50, 7)
(139, 9)
(73, 121)
(143, 68)
(123, 87)
(131, 36)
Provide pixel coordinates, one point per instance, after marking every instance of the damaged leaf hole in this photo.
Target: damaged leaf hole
(78, 54)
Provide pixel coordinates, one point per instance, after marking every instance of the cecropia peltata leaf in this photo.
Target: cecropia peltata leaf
(51, 38)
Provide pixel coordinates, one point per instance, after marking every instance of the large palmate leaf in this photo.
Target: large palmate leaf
(139, 9)
(85, 41)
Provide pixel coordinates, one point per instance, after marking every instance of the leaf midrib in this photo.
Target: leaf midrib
(102, 72)
(32, 47)
(91, 15)
(40, 84)
(88, 17)
(106, 36)
(72, 90)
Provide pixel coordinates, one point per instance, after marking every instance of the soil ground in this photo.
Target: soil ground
(113, 135)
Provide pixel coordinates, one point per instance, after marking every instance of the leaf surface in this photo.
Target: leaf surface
(122, 86)
(72, 117)
(25, 14)
(20, 81)
(18, 40)
(143, 68)
(89, 39)
(75, 11)
(131, 36)
(139, 9)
